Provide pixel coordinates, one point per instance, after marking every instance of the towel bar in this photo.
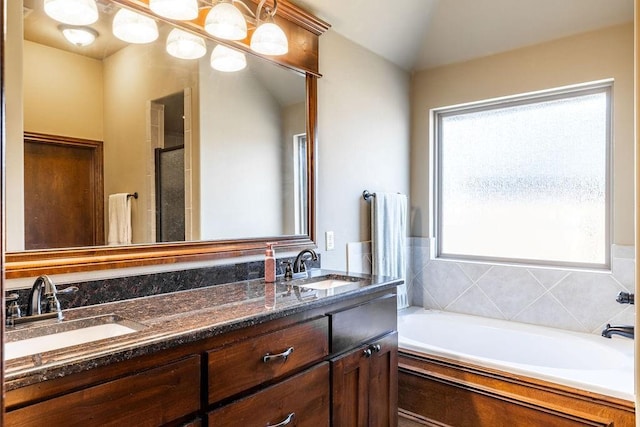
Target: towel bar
(366, 195)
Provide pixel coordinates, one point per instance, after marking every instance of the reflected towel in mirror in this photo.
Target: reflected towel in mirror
(119, 219)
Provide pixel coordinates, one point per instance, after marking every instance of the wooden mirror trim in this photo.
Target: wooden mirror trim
(303, 31)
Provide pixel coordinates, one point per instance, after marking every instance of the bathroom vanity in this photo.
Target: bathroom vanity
(244, 353)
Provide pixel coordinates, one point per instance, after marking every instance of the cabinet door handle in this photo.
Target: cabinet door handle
(375, 348)
(367, 352)
(284, 355)
(284, 422)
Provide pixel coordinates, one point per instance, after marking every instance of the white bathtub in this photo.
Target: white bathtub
(585, 361)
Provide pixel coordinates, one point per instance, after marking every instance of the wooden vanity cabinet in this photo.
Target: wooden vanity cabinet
(301, 400)
(153, 397)
(243, 365)
(364, 378)
(287, 371)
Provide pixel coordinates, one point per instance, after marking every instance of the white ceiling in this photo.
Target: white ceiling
(419, 34)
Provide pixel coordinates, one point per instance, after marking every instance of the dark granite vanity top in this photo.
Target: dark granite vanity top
(174, 319)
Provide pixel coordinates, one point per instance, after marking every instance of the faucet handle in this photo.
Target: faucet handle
(625, 298)
(68, 290)
(288, 270)
(13, 309)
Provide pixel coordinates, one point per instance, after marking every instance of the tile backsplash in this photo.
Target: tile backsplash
(571, 299)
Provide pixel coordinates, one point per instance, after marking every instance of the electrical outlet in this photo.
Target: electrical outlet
(329, 241)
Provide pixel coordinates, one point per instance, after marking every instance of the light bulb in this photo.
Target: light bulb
(184, 10)
(269, 39)
(227, 60)
(225, 21)
(72, 12)
(184, 45)
(79, 36)
(132, 27)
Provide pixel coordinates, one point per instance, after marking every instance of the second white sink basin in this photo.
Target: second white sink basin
(110, 327)
(327, 284)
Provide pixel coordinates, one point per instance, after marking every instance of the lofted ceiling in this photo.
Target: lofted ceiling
(419, 34)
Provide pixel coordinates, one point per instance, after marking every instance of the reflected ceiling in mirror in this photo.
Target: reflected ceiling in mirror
(212, 155)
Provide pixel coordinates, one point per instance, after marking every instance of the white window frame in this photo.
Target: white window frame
(300, 148)
(436, 116)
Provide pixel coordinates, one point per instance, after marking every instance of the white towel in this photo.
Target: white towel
(119, 219)
(389, 239)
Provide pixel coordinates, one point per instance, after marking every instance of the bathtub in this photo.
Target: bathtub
(579, 360)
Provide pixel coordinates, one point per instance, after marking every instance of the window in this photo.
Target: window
(526, 179)
(300, 183)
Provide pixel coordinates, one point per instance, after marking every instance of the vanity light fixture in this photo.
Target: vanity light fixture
(227, 60)
(72, 12)
(225, 21)
(269, 39)
(185, 45)
(79, 36)
(184, 10)
(132, 27)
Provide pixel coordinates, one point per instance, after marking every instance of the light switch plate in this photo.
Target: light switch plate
(329, 241)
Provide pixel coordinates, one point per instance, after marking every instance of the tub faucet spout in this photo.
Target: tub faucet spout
(625, 331)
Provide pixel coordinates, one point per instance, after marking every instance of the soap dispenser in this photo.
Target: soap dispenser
(269, 264)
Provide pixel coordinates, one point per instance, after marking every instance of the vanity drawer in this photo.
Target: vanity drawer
(303, 399)
(354, 325)
(149, 398)
(240, 366)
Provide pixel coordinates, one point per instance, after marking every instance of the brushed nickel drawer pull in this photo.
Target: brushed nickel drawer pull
(284, 422)
(375, 348)
(284, 355)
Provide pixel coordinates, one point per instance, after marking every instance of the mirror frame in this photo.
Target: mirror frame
(303, 31)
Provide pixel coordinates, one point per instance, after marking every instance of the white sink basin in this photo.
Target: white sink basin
(327, 284)
(79, 334)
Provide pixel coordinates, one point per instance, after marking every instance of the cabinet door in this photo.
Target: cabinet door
(349, 387)
(383, 382)
(365, 385)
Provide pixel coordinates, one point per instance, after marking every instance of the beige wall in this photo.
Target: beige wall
(133, 77)
(637, 189)
(293, 123)
(241, 126)
(52, 75)
(591, 56)
(14, 150)
(363, 143)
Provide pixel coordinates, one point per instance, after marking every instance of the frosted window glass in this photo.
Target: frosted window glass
(527, 181)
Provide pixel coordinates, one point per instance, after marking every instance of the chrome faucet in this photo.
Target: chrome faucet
(298, 264)
(43, 285)
(625, 331)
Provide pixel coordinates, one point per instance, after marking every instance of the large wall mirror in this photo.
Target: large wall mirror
(213, 163)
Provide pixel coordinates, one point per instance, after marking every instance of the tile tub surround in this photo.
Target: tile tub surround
(94, 292)
(575, 300)
(179, 318)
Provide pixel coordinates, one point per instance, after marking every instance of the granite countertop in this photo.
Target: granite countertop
(174, 319)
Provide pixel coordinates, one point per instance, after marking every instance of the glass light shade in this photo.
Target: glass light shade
(184, 10)
(269, 39)
(132, 27)
(79, 36)
(225, 21)
(184, 45)
(227, 60)
(72, 12)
